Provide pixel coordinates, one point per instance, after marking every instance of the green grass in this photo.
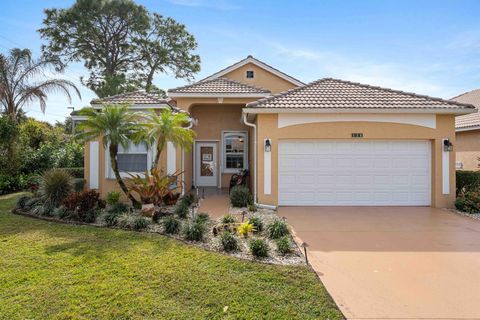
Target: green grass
(56, 271)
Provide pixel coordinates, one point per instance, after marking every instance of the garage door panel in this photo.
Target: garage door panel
(354, 173)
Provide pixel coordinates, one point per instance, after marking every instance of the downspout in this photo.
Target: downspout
(190, 126)
(254, 126)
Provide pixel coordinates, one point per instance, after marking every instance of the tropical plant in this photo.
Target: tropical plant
(171, 225)
(257, 223)
(188, 198)
(55, 186)
(202, 217)
(182, 209)
(229, 241)
(166, 126)
(115, 125)
(245, 229)
(22, 81)
(113, 197)
(151, 187)
(277, 229)
(258, 248)
(283, 245)
(229, 218)
(132, 221)
(194, 231)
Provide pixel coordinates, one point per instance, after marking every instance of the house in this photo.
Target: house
(329, 142)
(467, 129)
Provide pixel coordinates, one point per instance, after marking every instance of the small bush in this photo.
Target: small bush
(252, 207)
(45, 210)
(467, 181)
(194, 231)
(119, 207)
(114, 212)
(258, 248)
(61, 212)
(245, 229)
(277, 229)
(79, 184)
(55, 186)
(132, 221)
(188, 199)
(29, 204)
(82, 205)
(283, 245)
(171, 225)
(240, 196)
(22, 201)
(13, 183)
(468, 202)
(76, 172)
(257, 223)
(182, 210)
(229, 218)
(202, 217)
(113, 197)
(229, 241)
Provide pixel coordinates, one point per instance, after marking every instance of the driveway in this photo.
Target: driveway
(394, 262)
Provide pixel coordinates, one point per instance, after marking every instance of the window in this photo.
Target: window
(134, 159)
(250, 74)
(234, 151)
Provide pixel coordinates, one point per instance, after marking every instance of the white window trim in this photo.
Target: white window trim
(224, 154)
(109, 174)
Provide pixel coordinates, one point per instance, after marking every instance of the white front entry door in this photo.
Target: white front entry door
(206, 164)
(354, 173)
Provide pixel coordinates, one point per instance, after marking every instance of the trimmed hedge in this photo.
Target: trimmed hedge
(467, 181)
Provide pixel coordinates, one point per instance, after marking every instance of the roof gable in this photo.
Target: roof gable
(331, 93)
(469, 121)
(258, 63)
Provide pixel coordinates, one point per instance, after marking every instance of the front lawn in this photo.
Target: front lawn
(50, 270)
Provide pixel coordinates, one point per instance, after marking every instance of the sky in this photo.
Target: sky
(426, 47)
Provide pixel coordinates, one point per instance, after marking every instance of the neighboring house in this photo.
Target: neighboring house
(467, 127)
(330, 142)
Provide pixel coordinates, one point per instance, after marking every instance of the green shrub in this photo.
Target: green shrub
(252, 207)
(22, 201)
(182, 209)
(467, 181)
(61, 212)
(257, 223)
(13, 183)
(79, 184)
(283, 245)
(229, 218)
(277, 229)
(29, 204)
(113, 197)
(76, 172)
(258, 248)
(171, 225)
(240, 196)
(203, 217)
(132, 221)
(194, 231)
(119, 207)
(114, 212)
(45, 210)
(55, 186)
(468, 202)
(188, 199)
(229, 241)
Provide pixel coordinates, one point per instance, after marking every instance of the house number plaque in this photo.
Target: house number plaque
(357, 135)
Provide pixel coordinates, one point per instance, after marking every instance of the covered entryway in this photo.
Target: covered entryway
(354, 172)
(393, 262)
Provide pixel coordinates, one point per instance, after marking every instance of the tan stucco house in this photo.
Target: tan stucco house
(467, 129)
(329, 142)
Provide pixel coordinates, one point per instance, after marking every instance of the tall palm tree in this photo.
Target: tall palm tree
(116, 126)
(163, 127)
(22, 81)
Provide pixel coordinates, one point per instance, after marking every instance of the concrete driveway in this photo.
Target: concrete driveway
(394, 262)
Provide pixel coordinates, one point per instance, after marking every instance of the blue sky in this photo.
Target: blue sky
(426, 47)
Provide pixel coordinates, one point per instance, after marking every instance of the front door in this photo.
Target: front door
(206, 164)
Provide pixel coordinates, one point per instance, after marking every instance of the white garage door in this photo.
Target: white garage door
(354, 173)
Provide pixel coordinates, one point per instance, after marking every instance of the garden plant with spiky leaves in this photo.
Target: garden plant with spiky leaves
(116, 125)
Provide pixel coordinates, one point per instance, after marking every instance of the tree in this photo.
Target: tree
(168, 46)
(163, 127)
(22, 81)
(120, 43)
(116, 126)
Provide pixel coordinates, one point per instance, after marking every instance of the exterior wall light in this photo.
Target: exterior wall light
(268, 145)
(447, 145)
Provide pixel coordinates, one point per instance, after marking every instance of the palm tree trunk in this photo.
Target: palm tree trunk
(113, 149)
(160, 146)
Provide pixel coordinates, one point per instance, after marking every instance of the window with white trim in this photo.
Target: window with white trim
(234, 151)
(135, 159)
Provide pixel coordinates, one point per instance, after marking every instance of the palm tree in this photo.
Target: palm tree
(115, 125)
(163, 127)
(22, 81)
